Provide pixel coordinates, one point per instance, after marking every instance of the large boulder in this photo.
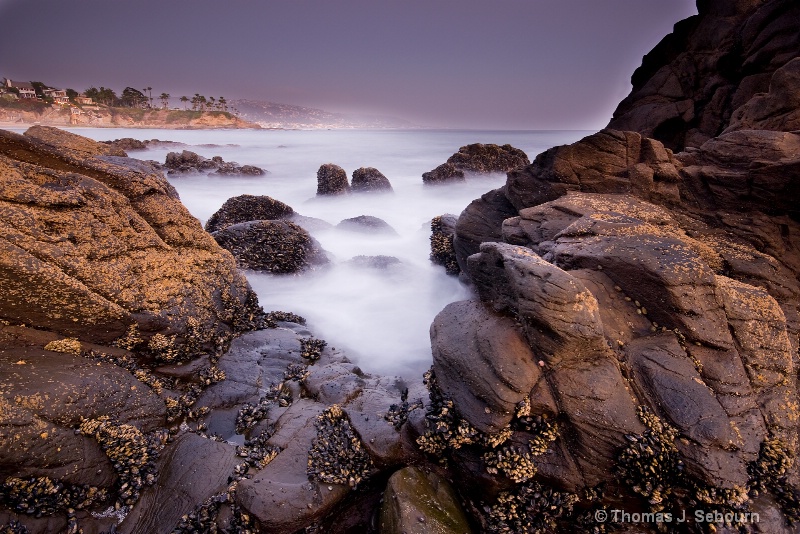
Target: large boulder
(483, 159)
(370, 179)
(93, 244)
(245, 208)
(331, 180)
(711, 73)
(444, 173)
(278, 247)
(187, 162)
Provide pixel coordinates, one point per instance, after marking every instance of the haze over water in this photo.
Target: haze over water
(381, 317)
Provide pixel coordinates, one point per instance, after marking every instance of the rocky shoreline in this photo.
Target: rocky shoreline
(633, 344)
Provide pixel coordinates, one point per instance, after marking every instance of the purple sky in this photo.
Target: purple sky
(529, 64)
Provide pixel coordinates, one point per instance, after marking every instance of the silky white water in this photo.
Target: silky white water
(381, 317)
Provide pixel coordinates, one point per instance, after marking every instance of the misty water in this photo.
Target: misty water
(380, 317)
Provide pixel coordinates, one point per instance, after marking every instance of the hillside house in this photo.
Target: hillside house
(25, 89)
(84, 100)
(58, 95)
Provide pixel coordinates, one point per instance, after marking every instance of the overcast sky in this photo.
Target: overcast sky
(527, 64)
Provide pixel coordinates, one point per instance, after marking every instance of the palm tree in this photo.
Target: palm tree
(195, 101)
(211, 101)
(223, 103)
(184, 100)
(164, 97)
(148, 91)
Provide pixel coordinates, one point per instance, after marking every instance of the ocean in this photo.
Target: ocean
(380, 317)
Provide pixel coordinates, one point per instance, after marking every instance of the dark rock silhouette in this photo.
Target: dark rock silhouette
(331, 180)
(369, 179)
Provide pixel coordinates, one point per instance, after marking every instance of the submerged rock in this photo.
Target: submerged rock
(444, 173)
(331, 180)
(279, 247)
(366, 224)
(477, 159)
(245, 208)
(188, 162)
(418, 502)
(368, 179)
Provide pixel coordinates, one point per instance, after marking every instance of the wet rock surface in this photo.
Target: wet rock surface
(278, 247)
(369, 179)
(188, 162)
(244, 208)
(332, 180)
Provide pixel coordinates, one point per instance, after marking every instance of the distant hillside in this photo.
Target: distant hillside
(272, 115)
(30, 111)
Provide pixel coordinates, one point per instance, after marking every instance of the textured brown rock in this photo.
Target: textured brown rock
(370, 179)
(245, 208)
(778, 109)
(444, 173)
(276, 246)
(93, 244)
(689, 87)
(331, 180)
(482, 159)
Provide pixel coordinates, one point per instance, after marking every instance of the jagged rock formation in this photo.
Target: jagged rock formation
(62, 196)
(477, 159)
(369, 179)
(732, 66)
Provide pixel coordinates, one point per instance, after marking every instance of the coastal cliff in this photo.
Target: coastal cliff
(98, 116)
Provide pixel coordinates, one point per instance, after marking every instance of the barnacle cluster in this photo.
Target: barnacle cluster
(337, 455)
(131, 452)
(398, 413)
(203, 519)
(529, 508)
(445, 428)
(257, 452)
(296, 372)
(250, 414)
(211, 375)
(769, 473)
(311, 348)
(164, 348)
(131, 339)
(158, 384)
(181, 406)
(272, 318)
(442, 250)
(650, 464)
(13, 527)
(516, 462)
(68, 345)
(40, 496)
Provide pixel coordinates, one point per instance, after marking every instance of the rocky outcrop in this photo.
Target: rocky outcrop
(368, 179)
(366, 224)
(188, 162)
(94, 243)
(477, 159)
(278, 247)
(245, 208)
(331, 180)
(443, 228)
(726, 68)
(444, 173)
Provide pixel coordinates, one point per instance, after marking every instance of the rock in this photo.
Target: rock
(331, 180)
(690, 85)
(483, 363)
(444, 173)
(187, 162)
(483, 159)
(606, 162)
(366, 224)
(127, 144)
(370, 179)
(279, 247)
(417, 502)
(479, 222)
(77, 145)
(191, 469)
(745, 170)
(443, 253)
(44, 395)
(778, 109)
(100, 244)
(245, 208)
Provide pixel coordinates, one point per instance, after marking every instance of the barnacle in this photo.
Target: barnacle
(337, 455)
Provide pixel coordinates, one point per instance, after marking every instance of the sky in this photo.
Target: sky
(504, 64)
